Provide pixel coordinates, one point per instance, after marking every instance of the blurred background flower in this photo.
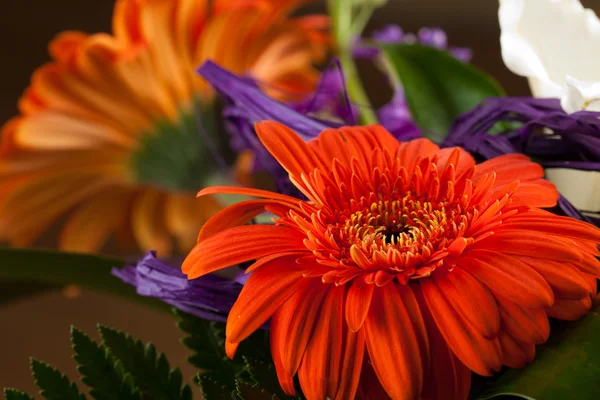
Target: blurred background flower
(119, 131)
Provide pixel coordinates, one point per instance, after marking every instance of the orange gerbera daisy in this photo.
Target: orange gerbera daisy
(109, 129)
(407, 268)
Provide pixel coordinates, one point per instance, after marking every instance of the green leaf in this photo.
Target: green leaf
(264, 379)
(212, 389)
(51, 267)
(207, 341)
(246, 391)
(565, 367)
(437, 86)
(14, 394)
(53, 384)
(150, 371)
(100, 371)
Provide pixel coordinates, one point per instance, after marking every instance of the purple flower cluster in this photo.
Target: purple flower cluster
(393, 34)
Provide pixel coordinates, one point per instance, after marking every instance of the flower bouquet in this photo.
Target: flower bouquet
(442, 246)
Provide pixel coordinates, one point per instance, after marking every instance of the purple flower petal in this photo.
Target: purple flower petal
(210, 297)
(393, 34)
(389, 34)
(248, 105)
(541, 130)
(434, 37)
(461, 53)
(545, 130)
(581, 165)
(564, 207)
(396, 118)
(363, 50)
(249, 101)
(330, 100)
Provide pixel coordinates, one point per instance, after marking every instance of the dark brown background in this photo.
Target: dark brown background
(39, 326)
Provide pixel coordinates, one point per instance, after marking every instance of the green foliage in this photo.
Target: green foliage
(251, 370)
(206, 339)
(213, 388)
(565, 367)
(348, 20)
(51, 269)
(438, 87)
(263, 379)
(53, 384)
(150, 371)
(100, 371)
(504, 127)
(13, 394)
(121, 368)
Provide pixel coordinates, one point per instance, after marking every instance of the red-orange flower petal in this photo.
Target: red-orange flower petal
(393, 345)
(358, 303)
(319, 372)
(455, 382)
(478, 353)
(259, 300)
(459, 282)
(353, 353)
(305, 316)
(209, 255)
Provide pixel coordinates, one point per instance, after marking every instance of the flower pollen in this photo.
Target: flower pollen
(396, 231)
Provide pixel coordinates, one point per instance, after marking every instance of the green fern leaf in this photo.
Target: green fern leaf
(53, 384)
(150, 372)
(100, 371)
(14, 394)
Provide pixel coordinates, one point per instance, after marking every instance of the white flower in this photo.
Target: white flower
(556, 44)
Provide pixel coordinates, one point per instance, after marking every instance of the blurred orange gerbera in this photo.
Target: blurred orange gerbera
(109, 129)
(407, 267)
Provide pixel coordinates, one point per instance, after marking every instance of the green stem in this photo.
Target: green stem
(341, 15)
(60, 269)
(362, 18)
(356, 92)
